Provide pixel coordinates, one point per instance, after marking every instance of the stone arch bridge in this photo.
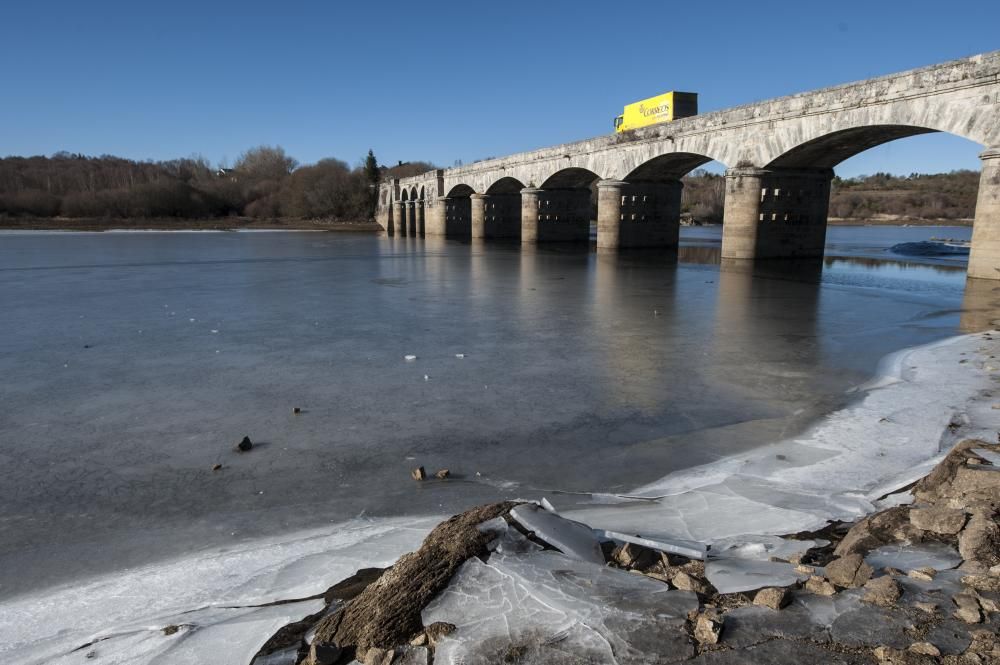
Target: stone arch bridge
(779, 155)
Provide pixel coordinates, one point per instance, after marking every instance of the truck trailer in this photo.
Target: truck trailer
(662, 108)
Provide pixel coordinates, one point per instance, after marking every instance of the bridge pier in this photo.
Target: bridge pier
(644, 214)
(984, 255)
(775, 213)
(395, 215)
(399, 215)
(418, 218)
(410, 227)
(477, 214)
(434, 224)
(559, 215)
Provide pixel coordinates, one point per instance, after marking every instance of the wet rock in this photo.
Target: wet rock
(849, 571)
(820, 586)
(938, 519)
(951, 637)
(322, 654)
(871, 626)
(967, 608)
(708, 628)
(244, 445)
(979, 541)
(419, 473)
(882, 591)
(442, 474)
(635, 556)
(773, 597)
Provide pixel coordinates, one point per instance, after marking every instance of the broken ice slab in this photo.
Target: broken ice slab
(689, 548)
(910, 557)
(569, 537)
(990, 456)
(508, 540)
(762, 548)
(554, 608)
(734, 575)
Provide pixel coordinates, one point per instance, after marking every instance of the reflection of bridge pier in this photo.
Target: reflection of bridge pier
(780, 154)
(980, 306)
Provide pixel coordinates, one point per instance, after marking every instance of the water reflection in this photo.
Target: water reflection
(980, 306)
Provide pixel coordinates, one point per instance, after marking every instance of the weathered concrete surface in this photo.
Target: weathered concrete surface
(786, 137)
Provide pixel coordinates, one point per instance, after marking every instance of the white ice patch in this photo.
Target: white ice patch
(938, 556)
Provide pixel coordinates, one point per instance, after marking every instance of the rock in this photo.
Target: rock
(849, 571)
(635, 556)
(941, 482)
(805, 570)
(375, 656)
(216, 467)
(296, 410)
(929, 608)
(419, 641)
(171, 629)
(419, 473)
(686, 582)
(925, 648)
(773, 597)
(889, 656)
(968, 608)
(995, 571)
(442, 474)
(937, 519)
(437, 630)
(889, 526)
(882, 591)
(708, 628)
(982, 582)
(322, 654)
(819, 586)
(245, 445)
(979, 541)
(924, 574)
(387, 612)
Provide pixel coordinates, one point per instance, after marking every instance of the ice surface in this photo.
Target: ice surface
(212, 591)
(556, 608)
(688, 548)
(572, 538)
(734, 575)
(938, 556)
(508, 539)
(990, 456)
(834, 471)
(762, 548)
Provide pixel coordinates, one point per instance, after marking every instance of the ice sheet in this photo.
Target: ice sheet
(555, 608)
(734, 575)
(572, 538)
(938, 556)
(762, 548)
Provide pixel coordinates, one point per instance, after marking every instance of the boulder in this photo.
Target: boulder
(708, 628)
(884, 528)
(244, 445)
(979, 541)
(967, 608)
(635, 556)
(820, 586)
(686, 582)
(938, 519)
(442, 474)
(849, 571)
(982, 582)
(952, 478)
(419, 473)
(882, 591)
(322, 654)
(773, 597)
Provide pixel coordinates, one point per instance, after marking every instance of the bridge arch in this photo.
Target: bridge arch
(505, 185)
(458, 212)
(572, 177)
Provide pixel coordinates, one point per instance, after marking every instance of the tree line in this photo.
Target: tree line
(264, 182)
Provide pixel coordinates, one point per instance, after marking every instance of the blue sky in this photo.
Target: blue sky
(441, 81)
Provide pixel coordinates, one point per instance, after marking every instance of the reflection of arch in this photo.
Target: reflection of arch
(831, 149)
(671, 166)
(505, 185)
(459, 191)
(571, 178)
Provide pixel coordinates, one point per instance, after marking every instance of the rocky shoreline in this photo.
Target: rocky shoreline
(916, 583)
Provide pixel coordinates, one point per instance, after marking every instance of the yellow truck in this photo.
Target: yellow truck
(662, 108)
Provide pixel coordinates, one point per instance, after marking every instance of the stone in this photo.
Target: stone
(437, 630)
(419, 473)
(635, 556)
(988, 583)
(967, 608)
(686, 582)
(924, 574)
(849, 571)
(419, 641)
(296, 410)
(216, 467)
(888, 656)
(708, 628)
(244, 445)
(929, 608)
(805, 570)
(882, 591)
(442, 474)
(979, 541)
(171, 629)
(773, 597)
(925, 648)
(820, 586)
(889, 526)
(947, 521)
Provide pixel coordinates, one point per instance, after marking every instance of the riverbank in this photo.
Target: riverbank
(856, 461)
(896, 220)
(181, 224)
